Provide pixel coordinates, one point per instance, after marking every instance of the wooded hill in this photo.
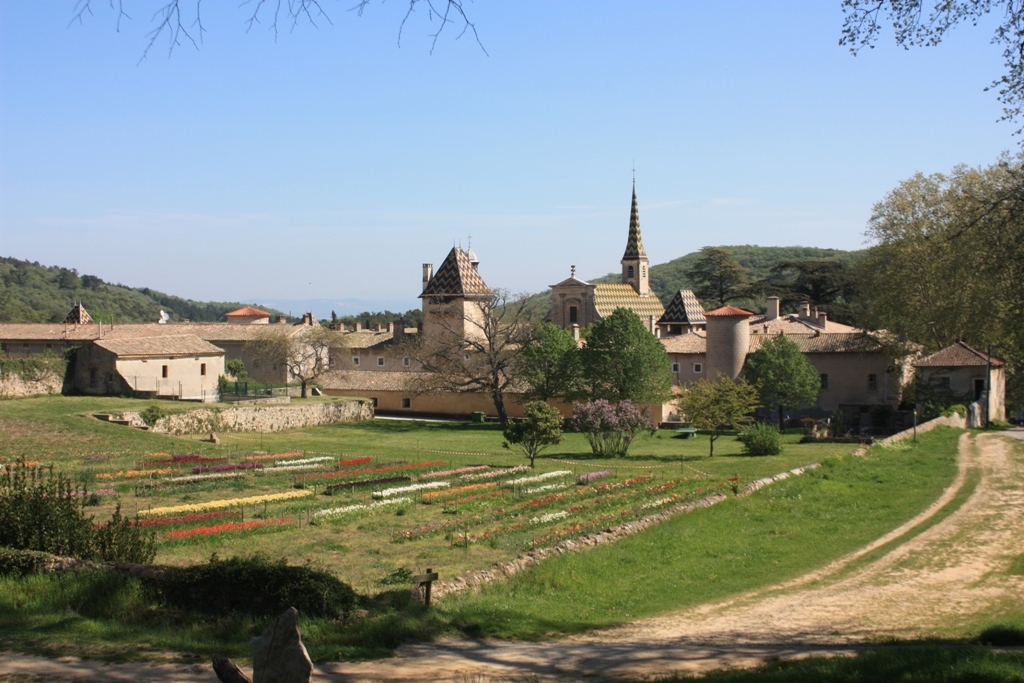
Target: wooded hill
(33, 293)
(761, 264)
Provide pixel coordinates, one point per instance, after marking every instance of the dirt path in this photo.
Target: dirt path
(940, 579)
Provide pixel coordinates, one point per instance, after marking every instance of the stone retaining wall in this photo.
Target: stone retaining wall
(473, 580)
(255, 418)
(42, 383)
(954, 420)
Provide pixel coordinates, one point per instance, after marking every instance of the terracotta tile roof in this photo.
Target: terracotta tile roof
(609, 297)
(212, 332)
(456, 277)
(728, 312)
(685, 343)
(826, 342)
(794, 324)
(634, 244)
(365, 339)
(247, 312)
(177, 345)
(684, 309)
(959, 354)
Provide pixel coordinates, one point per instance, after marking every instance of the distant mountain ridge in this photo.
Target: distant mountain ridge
(34, 293)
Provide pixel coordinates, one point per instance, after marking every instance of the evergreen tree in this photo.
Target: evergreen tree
(550, 364)
(717, 277)
(783, 377)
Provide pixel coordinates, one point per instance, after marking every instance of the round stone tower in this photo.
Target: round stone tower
(728, 341)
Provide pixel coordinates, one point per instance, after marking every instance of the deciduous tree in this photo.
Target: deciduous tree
(623, 361)
(551, 366)
(782, 375)
(540, 428)
(302, 355)
(717, 406)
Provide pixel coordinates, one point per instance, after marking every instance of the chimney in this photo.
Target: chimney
(391, 328)
(397, 329)
(773, 308)
(428, 273)
(576, 332)
(650, 324)
(823, 320)
(376, 328)
(805, 310)
(341, 327)
(281, 320)
(359, 327)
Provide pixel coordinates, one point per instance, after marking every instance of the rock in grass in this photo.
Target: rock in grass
(278, 655)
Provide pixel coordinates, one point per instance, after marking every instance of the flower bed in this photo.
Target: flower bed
(182, 458)
(226, 503)
(321, 515)
(293, 468)
(191, 478)
(128, 474)
(550, 517)
(457, 490)
(492, 474)
(539, 477)
(227, 526)
(366, 482)
(387, 493)
(94, 492)
(372, 470)
(591, 476)
(185, 519)
(449, 473)
(355, 461)
(274, 456)
(303, 461)
(227, 468)
(548, 487)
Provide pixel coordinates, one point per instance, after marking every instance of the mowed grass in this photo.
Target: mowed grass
(777, 533)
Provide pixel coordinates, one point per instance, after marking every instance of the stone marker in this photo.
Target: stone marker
(278, 655)
(214, 438)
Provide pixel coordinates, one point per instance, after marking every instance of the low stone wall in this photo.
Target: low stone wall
(255, 418)
(952, 421)
(473, 580)
(42, 383)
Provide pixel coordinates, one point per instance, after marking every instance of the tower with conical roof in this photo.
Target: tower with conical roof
(634, 260)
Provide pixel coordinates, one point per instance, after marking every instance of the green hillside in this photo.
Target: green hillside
(669, 278)
(33, 293)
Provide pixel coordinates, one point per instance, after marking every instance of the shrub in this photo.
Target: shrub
(955, 409)
(609, 427)
(256, 585)
(151, 414)
(761, 438)
(22, 562)
(837, 424)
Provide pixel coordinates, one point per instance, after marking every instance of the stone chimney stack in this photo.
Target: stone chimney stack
(359, 327)
(576, 332)
(391, 328)
(805, 310)
(282, 320)
(397, 330)
(428, 273)
(773, 308)
(341, 327)
(376, 327)
(823, 320)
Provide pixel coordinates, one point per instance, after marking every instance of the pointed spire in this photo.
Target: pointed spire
(634, 245)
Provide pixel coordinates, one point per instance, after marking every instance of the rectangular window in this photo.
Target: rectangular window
(675, 367)
(202, 369)
(574, 315)
(407, 403)
(380, 361)
(698, 368)
(872, 382)
(355, 360)
(405, 362)
(163, 371)
(824, 380)
(49, 347)
(374, 401)
(943, 382)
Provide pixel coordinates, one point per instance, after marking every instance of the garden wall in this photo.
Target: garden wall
(43, 382)
(255, 418)
(954, 420)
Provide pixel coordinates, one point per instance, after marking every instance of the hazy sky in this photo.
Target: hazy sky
(333, 163)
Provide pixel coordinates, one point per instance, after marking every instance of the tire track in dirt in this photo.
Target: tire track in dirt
(942, 576)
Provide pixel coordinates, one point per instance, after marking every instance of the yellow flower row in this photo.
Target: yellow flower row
(226, 503)
(459, 489)
(128, 474)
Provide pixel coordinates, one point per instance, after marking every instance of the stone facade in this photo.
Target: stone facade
(256, 418)
(42, 384)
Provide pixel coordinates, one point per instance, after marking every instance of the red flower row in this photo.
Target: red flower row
(229, 526)
(185, 519)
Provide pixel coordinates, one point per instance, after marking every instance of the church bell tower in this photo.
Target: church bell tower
(634, 261)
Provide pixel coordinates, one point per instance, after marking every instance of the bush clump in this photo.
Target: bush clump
(151, 414)
(256, 585)
(22, 562)
(761, 438)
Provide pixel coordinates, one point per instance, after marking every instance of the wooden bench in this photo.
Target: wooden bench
(686, 432)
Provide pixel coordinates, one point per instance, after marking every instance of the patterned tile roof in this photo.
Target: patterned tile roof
(684, 308)
(247, 312)
(77, 315)
(959, 354)
(634, 244)
(609, 297)
(457, 277)
(728, 312)
(176, 345)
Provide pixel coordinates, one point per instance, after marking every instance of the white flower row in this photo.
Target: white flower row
(656, 503)
(541, 477)
(496, 473)
(303, 461)
(200, 477)
(549, 487)
(289, 468)
(550, 517)
(335, 512)
(387, 493)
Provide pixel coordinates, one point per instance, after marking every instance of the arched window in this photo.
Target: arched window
(629, 272)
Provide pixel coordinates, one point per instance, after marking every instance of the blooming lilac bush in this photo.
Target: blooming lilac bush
(609, 427)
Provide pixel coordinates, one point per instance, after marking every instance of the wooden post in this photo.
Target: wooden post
(425, 580)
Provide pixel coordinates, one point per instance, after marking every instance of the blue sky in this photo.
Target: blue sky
(333, 163)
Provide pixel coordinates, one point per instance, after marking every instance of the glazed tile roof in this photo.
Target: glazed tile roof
(176, 345)
(685, 309)
(728, 311)
(634, 243)
(247, 312)
(456, 277)
(959, 354)
(609, 297)
(77, 315)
